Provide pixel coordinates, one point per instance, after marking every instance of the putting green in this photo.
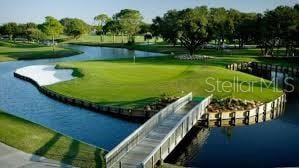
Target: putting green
(123, 83)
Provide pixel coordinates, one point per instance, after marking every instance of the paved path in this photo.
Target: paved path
(13, 158)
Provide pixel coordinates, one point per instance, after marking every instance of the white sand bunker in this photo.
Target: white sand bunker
(45, 74)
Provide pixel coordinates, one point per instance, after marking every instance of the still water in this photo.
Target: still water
(269, 144)
(22, 99)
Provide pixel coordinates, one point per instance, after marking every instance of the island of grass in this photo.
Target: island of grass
(33, 138)
(10, 51)
(126, 84)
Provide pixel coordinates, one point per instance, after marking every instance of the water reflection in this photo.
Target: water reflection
(22, 99)
(189, 147)
(267, 144)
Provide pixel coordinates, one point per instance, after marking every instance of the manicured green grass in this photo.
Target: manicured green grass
(33, 138)
(23, 51)
(96, 40)
(238, 55)
(123, 83)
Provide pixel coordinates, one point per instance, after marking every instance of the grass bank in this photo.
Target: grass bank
(25, 51)
(96, 40)
(123, 83)
(33, 138)
(238, 55)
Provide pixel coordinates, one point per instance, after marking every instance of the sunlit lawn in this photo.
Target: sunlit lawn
(24, 51)
(33, 138)
(123, 83)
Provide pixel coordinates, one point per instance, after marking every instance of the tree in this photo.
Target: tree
(35, 34)
(287, 21)
(220, 25)
(1, 30)
(101, 19)
(144, 28)
(234, 19)
(113, 27)
(193, 28)
(155, 27)
(246, 28)
(277, 28)
(10, 29)
(167, 27)
(65, 22)
(130, 21)
(147, 37)
(28, 29)
(74, 27)
(52, 27)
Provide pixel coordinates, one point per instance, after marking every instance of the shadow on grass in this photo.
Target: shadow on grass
(42, 151)
(47, 146)
(99, 159)
(72, 153)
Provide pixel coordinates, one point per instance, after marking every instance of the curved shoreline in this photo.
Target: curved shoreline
(128, 114)
(122, 46)
(138, 115)
(57, 54)
(46, 74)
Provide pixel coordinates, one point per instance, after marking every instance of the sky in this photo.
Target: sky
(22, 11)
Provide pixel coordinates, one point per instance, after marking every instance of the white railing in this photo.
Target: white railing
(176, 134)
(114, 156)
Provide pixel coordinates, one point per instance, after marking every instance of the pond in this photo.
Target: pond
(269, 144)
(22, 99)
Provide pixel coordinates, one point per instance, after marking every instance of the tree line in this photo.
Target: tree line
(192, 28)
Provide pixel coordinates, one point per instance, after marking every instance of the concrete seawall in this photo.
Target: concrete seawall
(262, 113)
(128, 114)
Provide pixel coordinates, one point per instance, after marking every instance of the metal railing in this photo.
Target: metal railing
(114, 156)
(176, 134)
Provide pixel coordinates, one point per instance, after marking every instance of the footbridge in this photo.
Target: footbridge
(153, 141)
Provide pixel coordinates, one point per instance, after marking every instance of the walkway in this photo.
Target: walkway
(157, 138)
(154, 138)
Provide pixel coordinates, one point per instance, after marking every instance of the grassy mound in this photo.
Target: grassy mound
(24, 51)
(123, 83)
(33, 138)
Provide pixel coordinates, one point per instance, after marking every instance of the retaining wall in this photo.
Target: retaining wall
(256, 68)
(265, 112)
(129, 114)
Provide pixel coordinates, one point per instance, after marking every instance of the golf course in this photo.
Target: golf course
(139, 84)
(128, 84)
(10, 51)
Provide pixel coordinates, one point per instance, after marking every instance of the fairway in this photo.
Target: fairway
(123, 83)
(97, 39)
(26, 51)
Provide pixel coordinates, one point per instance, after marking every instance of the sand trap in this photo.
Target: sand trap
(46, 74)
